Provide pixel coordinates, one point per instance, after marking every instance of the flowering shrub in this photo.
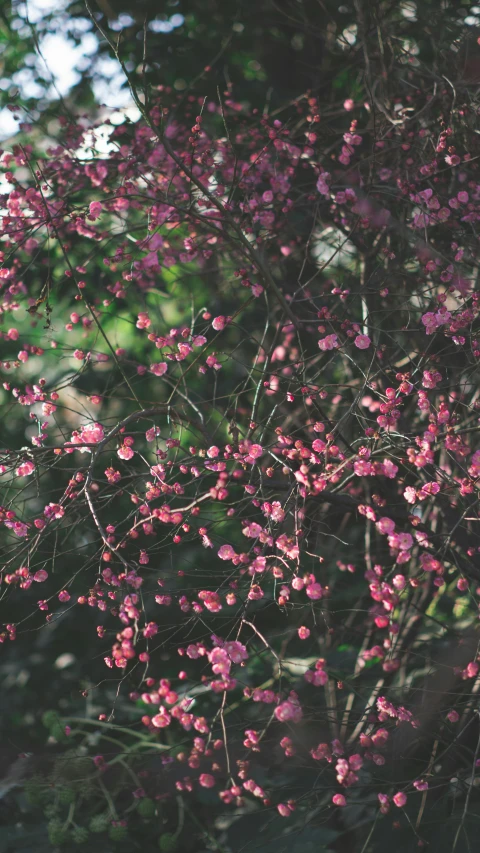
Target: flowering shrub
(251, 468)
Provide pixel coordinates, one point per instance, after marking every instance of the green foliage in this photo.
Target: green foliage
(117, 833)
(65, 796)
(146, 807)
(80, 834)
(168, 842)
(99, 823)
(37, 791)
(57, 832)
(73, 770)
(50, 719)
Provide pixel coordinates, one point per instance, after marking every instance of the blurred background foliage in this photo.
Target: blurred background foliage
(269, 52)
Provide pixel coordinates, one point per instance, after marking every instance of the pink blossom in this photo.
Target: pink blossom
(402, 541)
(433, 321)
(400, 799)
(25, 469)
(54, 511)
(199, 341)
(328, 343)
(19, 528)
(220, 661)
(322, 184)
(143, 321)
(339, 800)
(211, 600)
(252, 530)
(363, 468)
(92, 433)
(289, 710)
(206, 780)
(385, 525)
(226, 552)
(314, 591)
(219, 323)
(384, 803)
(95, 209)
(317, 678)
(125, 452)
(159, 369)
(431, 378)
(362, 341)
(255, 593)
(321, 751)
(399, 582)
(152, 433)
(162, 719)
(40, 576)
(236, 651)
(390, 469)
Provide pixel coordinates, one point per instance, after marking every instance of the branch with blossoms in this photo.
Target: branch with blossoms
(253, 406)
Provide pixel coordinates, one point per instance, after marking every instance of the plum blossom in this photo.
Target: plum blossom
(236, 651)
(219, 323)
(54, 511)
(362, 341)
(152, 433)
(211, 600)
(322, 184)
(19, 528)
(25, 469)
(289, 710)
(95, 209)
(385, 525)
(314, 591)
(400, 541)
(410, 494)
(390, 469)
(162, 719)
(220, 661)
(328, 343)
(226, 552)
(432, 321)
(40, 576)
(199, 341)
(125, 452)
